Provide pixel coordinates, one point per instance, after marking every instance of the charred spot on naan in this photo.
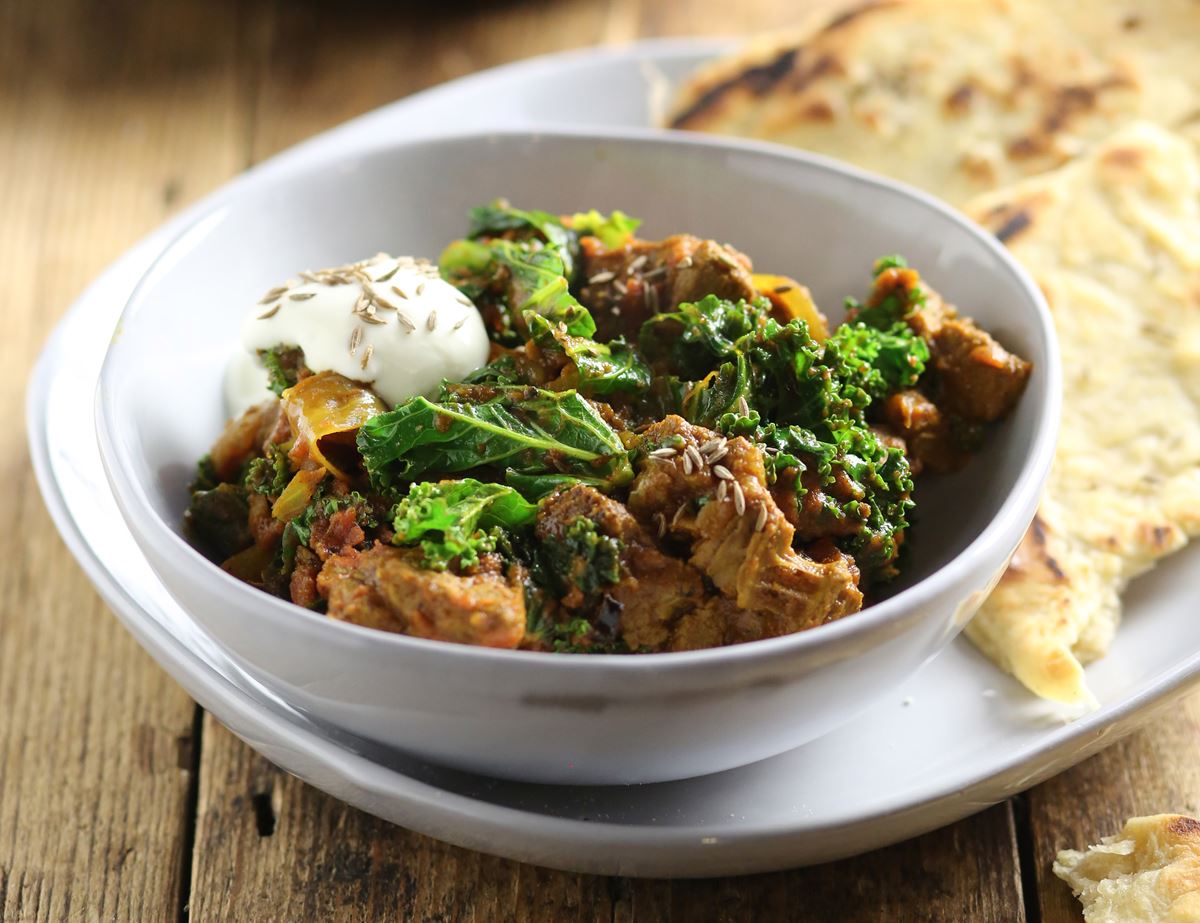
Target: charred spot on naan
(787, 64)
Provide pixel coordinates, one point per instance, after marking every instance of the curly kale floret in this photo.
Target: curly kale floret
(751, 369)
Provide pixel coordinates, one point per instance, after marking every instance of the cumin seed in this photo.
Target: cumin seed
(458, 323)
(355, 339)
(431, 320)
(760, 521)
(271, 311)
(367, 353)
(405, 321)
(694, 455)
(398, 291)
(722, 490)
(739, 498)
(722, 472)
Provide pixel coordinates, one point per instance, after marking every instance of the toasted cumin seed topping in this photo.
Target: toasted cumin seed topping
(664, 452)
(722, 472)
(743, 407)
(601, 277)
(420, 288)
(399, 291)
(271, 311)
(431, 320)
(694, 454)
(387, 275)
(760, 521)
(687, 463)
(458, 323)
(685, 263)
(654, 273)
(465, 301)
(717, 454)
(405, 321)
(782, 289)
(355, 339)
(678, 513)
(638, 264)
(367, 353)
(620, 286)
(371, 319)
(273, 295)
(739, 498)
(662, 524)
(302, 296)
(722, 490)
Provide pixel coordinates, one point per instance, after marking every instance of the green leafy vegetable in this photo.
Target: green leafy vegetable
(499, 218)
(529, 430)
(878, 362)
(615, 230)
(886, 310)
(458, 519)
(582, 559)
(284, 365)
(515, 277)
(600, 369)
(269, 474)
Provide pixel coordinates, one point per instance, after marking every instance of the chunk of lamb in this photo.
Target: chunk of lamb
(928, 437)
(386, 588)
(637, 281)
(977, 378)
(738, 536)
(662, 601)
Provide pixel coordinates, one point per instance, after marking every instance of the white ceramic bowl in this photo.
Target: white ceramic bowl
(561, 717)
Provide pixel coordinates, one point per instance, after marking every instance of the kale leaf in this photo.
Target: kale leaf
(598, 369)
(458, 519)
(529, 430)
(285, 366)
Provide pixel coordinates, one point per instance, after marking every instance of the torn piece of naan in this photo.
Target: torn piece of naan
(1113, 239)
(958, 97)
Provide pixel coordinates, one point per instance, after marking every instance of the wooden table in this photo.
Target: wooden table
(119, 798)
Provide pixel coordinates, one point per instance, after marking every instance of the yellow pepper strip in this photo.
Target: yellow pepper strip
(328, 405)
(790, 300)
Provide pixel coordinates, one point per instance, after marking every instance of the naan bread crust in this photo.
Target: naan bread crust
(957, 96)
(1148, 873)
(1113, 239)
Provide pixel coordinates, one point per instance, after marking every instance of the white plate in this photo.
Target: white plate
(957, 738)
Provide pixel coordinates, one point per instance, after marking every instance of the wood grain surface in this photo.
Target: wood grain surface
(116, 803)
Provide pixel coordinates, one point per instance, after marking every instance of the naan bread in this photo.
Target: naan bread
(963, 97)
(1113, 239)
(958, 96)
(1148, 873)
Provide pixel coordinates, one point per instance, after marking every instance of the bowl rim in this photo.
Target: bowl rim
(1012, 518)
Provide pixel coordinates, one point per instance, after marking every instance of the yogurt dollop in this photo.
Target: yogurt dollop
(390, 322)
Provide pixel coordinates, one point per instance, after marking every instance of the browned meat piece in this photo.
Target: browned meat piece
(977, 378)
(336, 534)
(242, 439)
(809, 513)
(645, 277)
(662, 601)
(385, 588)
(302, 586)
(925, 430)
(737, 534)
(266, 529)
